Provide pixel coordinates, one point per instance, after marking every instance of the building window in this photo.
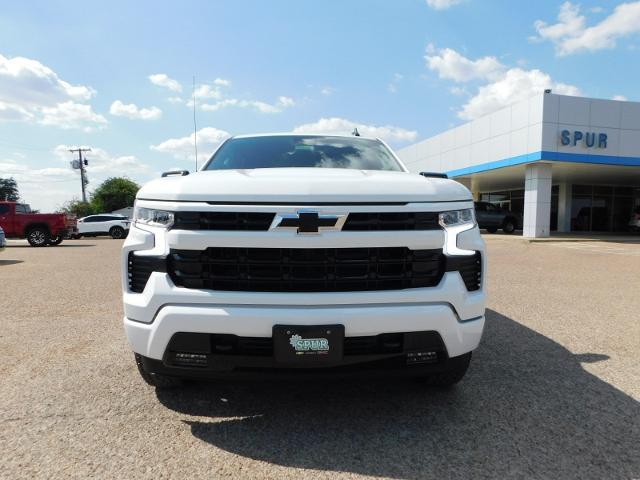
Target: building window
(601, 208)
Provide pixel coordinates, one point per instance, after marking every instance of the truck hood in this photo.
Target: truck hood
(304, 185)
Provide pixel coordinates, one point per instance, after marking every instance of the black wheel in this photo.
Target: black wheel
(117, 232)
(55, 240)
(38, 237)
(453, 374)
(155, 379)
(492, 230)
(509, 226)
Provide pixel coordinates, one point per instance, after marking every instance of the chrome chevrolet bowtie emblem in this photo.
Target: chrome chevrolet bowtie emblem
(307, 221)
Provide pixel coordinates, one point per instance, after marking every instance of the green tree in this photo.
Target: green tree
(9, 189)
(114, 193)
(78, 208)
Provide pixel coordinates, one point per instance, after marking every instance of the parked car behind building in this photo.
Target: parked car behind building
(491, 217)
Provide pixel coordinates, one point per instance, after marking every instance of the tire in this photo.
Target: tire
(509, 226)
(117, 232)
(155, 379)
(38, 237)
(56, 240)
(452, 375)
(492, 230)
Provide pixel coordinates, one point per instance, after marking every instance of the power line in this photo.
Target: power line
(81, 166)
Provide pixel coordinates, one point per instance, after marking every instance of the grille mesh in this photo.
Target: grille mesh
(306, 270)
(247, 221)
(373, 221)
(140, 268)
(470, 269)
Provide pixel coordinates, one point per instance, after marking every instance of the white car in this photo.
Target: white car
(117, 226)
(303, 254)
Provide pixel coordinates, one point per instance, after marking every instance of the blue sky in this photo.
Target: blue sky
(117, 76)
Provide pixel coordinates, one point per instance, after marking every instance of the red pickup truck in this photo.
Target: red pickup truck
(40, 229)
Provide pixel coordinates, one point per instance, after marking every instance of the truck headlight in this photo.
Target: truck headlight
(151, 217)
(457, 217)
(454, 222)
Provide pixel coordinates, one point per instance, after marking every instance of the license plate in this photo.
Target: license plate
(308, 345)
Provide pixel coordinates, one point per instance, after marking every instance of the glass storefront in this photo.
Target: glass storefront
(594, 208)
(514, 200)
(601, 208)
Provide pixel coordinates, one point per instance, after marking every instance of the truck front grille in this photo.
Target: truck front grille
(306, 270)
(261, 221)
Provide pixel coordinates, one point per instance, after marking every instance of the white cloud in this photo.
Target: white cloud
(571, 35)
(263, 107)
(393, 85)
(452, 65)
(31, 91)
(326, 91)
(207, 91)
(443, 4)
(222, 82)
(132, 111)
(341, 126)
(163, 80)
(502, 85)
(174, 100)
(620, 98)
(182, 148)
(72, 115)
(516, 84)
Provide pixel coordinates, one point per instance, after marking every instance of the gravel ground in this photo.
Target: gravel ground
(551, 393)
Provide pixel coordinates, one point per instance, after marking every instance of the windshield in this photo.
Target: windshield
(303, 151)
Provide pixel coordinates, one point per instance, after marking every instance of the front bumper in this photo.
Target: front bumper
(151, 339)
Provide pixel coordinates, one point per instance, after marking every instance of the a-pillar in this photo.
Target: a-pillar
(537, 200)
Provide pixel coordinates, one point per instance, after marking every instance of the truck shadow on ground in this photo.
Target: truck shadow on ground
(526, 408)
(10, 262)
(54, 246)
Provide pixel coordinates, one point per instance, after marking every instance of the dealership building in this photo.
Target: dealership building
(567, 164)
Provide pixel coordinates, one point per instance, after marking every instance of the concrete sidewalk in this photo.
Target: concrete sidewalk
(569, 237)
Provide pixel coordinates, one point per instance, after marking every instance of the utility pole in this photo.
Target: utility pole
(82, 163)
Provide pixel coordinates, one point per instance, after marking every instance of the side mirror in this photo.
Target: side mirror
(171, 173)
(434, 175)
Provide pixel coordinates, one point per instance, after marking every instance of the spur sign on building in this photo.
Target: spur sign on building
(585, 139)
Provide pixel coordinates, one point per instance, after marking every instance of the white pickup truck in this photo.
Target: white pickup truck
(303, 255)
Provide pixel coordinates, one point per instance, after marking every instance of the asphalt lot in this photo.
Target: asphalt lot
(552, 391)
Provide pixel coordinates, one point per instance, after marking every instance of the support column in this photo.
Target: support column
(564, 208)
(537, 200)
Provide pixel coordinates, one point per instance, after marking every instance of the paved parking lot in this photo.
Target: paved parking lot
(552, 392)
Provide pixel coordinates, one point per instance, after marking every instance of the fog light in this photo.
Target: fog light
(190, 359)
(414, 358)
